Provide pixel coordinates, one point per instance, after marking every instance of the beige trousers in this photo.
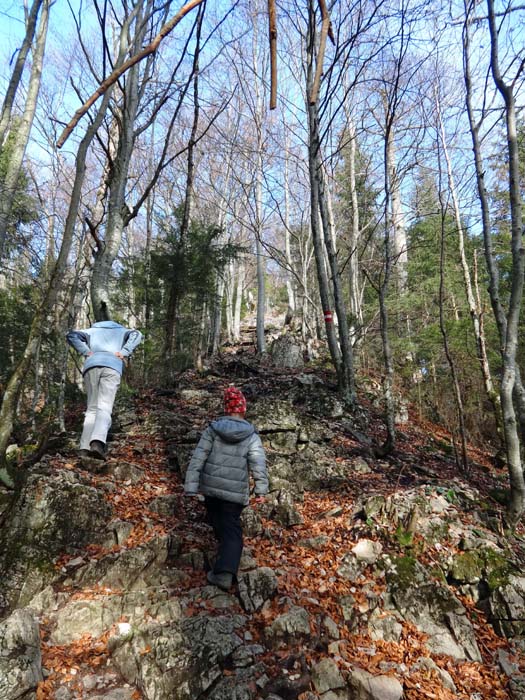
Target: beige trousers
(100, 384)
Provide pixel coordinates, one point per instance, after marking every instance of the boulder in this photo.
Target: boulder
(20, 660)
(275, 415)
(326, 676)
(55, 513)
(425, 663)
(365, 686)
(506, 607)
(512, 670)
(166, 506)
(125, 472)
(96, 615)
(177, 660)
(287, 351)
(256, 587)
(129, 568)
(251, 523)
(289, 627)
(363, 554)
(432, 607)
(385, 627)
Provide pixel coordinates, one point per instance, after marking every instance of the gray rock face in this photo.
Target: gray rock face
(363, 554)
(129, 568)
(177, 661)
(286, 351)
(289, 627)
(507, 607)
(251, 523)
(365, 686)
(256, 587)
(96, 615)
(55, 513)
(20, 660)
(432, 608)
(513, 673)
(427, 663)
(326, 676)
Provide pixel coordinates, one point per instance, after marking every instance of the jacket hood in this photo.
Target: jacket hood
(232, 429)
(107, 324)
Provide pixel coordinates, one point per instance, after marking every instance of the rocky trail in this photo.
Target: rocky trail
(361, 578)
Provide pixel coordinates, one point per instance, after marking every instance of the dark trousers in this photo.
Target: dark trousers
(225, 518)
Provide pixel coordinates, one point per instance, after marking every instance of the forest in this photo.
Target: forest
(312, 200)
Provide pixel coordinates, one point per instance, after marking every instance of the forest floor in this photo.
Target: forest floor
(306, 578)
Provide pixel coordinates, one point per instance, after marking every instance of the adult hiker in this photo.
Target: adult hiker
(106, 346)
(229, 451)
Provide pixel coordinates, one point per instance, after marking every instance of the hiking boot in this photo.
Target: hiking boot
(83, 454)
(223, 580)
(97, 449)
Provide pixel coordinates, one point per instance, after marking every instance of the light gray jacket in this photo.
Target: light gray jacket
(228, 451)
(104, 339)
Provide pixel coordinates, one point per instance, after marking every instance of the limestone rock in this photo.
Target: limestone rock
(256, 587)
(316, 543)
(178, 660)
(363, 554)
(115, 694)
(125, 471)
(167, 506)
(507, 607)
(432, 608)
(55, 512)
(289, 627)
(20, 660)
(272, 415)
(287, 351)
(367, 551)
(251, 523)
(429, 664)
(95, 616)
(326, 676)
(128, 568)
(385, 627)
(513, 673)
(361, 466)
(365, 686)
(284, 511)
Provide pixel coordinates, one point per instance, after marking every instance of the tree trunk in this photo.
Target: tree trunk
(238, 302)
(23, 129)
(474, 308)
(290, 290)
(16, 76)
(356, 309)
(118, 178)
(508, 382)
(14, 385)
(189, 194)
(463, 462)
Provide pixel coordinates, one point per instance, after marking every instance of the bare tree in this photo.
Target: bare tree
(20, 132)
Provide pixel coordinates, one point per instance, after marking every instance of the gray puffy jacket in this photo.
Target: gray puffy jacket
(228, 451)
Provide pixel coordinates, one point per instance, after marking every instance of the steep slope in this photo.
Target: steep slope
(360, 579)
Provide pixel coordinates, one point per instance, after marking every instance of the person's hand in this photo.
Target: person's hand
(259, 499)
(120, 356)
(89, 353)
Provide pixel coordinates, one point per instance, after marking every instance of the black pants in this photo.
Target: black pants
(225, 518)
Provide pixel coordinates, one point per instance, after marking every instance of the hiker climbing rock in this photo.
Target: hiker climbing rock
(106, 346)
(229, 451)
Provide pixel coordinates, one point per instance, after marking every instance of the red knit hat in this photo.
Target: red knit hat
(234, 400)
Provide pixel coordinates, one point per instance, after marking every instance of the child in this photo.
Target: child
(228, 452)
